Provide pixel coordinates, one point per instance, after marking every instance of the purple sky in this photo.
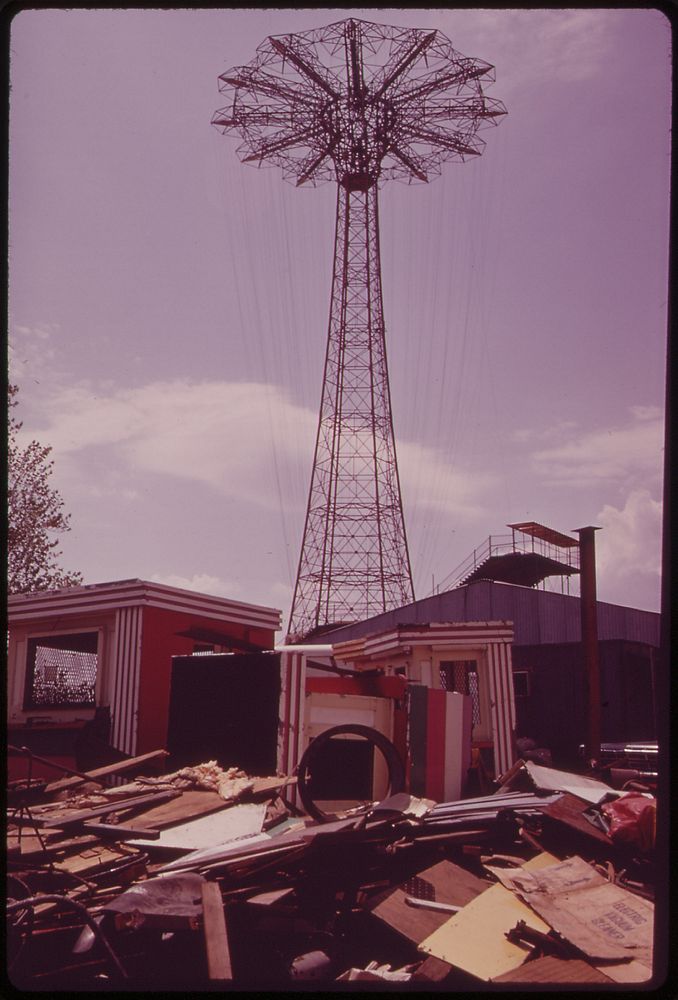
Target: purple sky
(168, 304)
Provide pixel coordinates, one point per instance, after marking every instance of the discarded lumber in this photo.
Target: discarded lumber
(66, 819)
(185, 806)
(444, 882)
(216, 939)
(120, 767)
(118, 831)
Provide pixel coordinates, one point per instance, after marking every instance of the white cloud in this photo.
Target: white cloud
(201, 583)
(646, 412)
(429, 482)
(247, 440)
(628, 550)
(230, 436)
(32, 353)
(542, 434)
(623, 455)
(545, 45)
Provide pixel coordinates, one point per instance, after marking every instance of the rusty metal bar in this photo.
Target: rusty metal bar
(589, 637)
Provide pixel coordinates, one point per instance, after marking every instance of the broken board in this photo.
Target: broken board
(603, 920)
(474, 939)
(189, 805)
(449, 883)
(217, 828)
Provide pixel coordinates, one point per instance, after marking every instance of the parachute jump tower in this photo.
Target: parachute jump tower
(356, 103)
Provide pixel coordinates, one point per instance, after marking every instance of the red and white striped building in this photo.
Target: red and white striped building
(111, 645)
(403, 683)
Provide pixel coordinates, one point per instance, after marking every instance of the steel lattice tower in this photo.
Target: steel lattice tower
(356, 103)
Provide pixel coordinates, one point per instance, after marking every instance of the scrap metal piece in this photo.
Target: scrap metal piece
(431, 904)
(168, 902)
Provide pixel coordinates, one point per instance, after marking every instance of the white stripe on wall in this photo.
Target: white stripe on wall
(503, 707)
(126, 664)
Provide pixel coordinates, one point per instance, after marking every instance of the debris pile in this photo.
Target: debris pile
(208, 877)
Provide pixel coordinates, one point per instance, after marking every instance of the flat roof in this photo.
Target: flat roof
(537, 530)
(98, 597)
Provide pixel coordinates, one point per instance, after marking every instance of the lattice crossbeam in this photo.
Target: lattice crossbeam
(356, 103)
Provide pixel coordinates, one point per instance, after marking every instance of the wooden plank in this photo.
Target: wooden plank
(67, 819)
(266, 786)
(109, 769)
(118, 831)
(475, 938)
(569, 810)
(216, 939)
(432, 970)
(91, 859)
(450, 884)
(550, 969)
(189, 805)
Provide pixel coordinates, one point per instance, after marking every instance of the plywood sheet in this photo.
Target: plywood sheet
(602, 920)
(189, 805)
(451, 884)
(550, 969)
(209, 831)
(474, 939)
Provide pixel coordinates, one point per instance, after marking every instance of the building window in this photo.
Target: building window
(462, 676)
(521, 683)
(61, 670)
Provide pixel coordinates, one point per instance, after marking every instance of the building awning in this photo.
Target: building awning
(546, 534)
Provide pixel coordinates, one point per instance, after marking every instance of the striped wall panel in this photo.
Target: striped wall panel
(458, 736)
(502, 705)
(292, 704)
(417, 738)
(439, 742)
(125, 669)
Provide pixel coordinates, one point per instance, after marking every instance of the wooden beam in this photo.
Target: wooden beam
(216, 939)
(118, 831)
(70, 818)
(120, 766)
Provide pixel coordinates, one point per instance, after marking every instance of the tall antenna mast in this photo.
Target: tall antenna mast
(356, 103)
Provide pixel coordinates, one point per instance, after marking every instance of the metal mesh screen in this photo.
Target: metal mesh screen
(62, 671)
(462, 676)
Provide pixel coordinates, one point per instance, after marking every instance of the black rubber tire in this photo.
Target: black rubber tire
(396, 769)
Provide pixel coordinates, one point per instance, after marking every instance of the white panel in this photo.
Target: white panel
(458, 711)
(341, 716)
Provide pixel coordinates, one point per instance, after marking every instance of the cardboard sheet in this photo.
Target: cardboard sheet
(601, 919)
(475, 938)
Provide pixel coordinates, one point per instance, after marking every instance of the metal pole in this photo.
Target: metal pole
(589, 637)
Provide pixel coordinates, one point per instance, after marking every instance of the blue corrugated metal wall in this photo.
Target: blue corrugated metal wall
(538, 616)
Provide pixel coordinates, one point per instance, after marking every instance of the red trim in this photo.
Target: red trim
(435, 745)
(287, 660)
(298, 721)
(380, 687)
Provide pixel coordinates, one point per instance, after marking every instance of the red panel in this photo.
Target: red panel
(380, 687)
(435, 745)
(17, 767)
(159, 643)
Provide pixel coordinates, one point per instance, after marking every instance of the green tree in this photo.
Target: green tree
(35, 516)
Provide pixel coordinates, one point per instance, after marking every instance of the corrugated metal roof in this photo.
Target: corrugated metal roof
(538, 616)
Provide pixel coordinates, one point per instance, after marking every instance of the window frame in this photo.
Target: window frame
(51, 639)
